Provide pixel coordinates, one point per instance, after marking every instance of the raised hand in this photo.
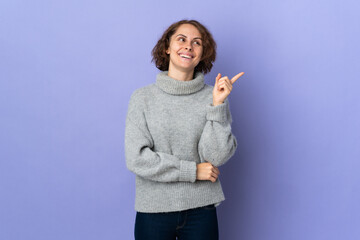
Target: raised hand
(223, 87)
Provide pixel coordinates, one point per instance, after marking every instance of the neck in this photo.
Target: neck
(176, 87)
(180, 75)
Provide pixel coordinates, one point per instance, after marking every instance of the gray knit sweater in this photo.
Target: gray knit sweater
(171, 126)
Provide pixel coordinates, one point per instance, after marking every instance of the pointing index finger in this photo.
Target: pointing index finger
(236, 77)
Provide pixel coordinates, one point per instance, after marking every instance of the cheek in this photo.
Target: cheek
(174, 48)
(175, 44)
(201, 54)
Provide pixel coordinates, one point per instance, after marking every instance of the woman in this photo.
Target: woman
(178, 131)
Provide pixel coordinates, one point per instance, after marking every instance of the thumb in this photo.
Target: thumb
(217, 79)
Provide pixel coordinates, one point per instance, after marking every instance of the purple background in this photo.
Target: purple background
(67, 69)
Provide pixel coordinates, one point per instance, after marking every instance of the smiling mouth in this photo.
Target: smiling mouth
(185, 56)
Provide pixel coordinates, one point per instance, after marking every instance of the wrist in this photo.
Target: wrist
(217, 103)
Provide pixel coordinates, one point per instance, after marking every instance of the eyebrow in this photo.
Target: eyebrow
(186, 36)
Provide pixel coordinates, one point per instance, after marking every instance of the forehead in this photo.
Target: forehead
(188, 30)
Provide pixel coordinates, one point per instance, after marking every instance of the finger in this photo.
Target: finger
(236, 77)
(223, 82)
(221, 86)
(225, 86)
(229, 85)
(213, 175)
(216, 170)
(228, 81)
(223, 79)
(217, 79)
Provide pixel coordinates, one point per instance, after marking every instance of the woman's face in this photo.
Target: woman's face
(185, 48)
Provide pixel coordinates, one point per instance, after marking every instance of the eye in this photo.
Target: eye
(198, 43)
(181, 38)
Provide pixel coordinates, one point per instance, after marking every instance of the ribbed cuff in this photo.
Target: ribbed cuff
(187, 171)
(217, 113)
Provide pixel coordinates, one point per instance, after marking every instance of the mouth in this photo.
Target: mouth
(185, 56)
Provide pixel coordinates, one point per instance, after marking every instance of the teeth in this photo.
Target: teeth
(185, 56)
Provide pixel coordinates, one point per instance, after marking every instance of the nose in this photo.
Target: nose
(188, 47)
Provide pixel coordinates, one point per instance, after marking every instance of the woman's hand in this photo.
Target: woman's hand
(206, 171)
(223, 87)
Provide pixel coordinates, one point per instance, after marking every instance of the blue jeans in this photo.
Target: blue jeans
(192, 224)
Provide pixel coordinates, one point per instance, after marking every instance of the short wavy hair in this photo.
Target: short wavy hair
(161, 59)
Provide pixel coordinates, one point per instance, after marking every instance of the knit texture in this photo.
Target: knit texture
(171, 126)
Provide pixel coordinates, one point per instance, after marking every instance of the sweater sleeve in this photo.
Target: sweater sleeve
(217, 144)
(141, 159)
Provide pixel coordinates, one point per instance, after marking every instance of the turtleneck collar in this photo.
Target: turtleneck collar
(177, 87)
